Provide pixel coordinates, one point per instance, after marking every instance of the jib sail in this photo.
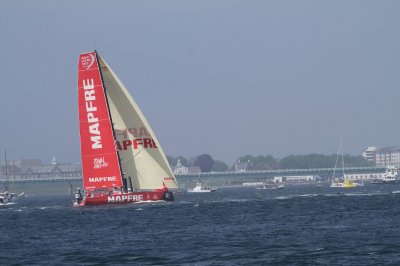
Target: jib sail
(142, 159)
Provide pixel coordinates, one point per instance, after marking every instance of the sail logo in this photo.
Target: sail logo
(87, 61)
(102, 179)
(136, 132)
(125, 198)
(93, 121)
(99, 163)
(136, 143)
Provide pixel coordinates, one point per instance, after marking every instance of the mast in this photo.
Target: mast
(109, 114)
(13, 183)
(341, 144)
(6, 177)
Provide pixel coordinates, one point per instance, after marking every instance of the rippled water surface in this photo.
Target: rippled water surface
(298, 225)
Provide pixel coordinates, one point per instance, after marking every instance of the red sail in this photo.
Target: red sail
(100, 164)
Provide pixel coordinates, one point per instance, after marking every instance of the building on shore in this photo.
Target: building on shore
(180, 169)
(383, 156)
(294, 179)
(34, 170)
(363, 176)
(242, 166)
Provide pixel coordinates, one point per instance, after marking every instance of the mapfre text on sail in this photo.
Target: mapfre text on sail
(93, 121)
(134, 138)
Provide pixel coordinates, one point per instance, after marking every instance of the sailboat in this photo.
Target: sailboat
(122, 160)
(343, 182)
(5, 195)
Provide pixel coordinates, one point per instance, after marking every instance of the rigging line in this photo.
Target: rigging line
(6, 165)
(341, 140)
(132, 157)
(108, 106)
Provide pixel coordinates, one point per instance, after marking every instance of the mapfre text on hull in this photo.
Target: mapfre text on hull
(95, 199)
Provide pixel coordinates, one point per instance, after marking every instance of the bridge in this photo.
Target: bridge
(211, 177)
(254, 176)
(289, 172)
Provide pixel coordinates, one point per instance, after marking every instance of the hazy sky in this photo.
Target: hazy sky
(223, 77)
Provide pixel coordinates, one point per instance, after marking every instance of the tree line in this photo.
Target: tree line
(268, 162)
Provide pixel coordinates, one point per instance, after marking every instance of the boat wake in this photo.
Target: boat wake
(7, 204)
(50, 207)
(303, 196)
(361, 194)
(229, 200)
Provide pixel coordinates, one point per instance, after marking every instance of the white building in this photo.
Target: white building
(294, 179)
(387, 156)
(363, 176)
(369, 154)
(383, 156)
(242, 167)
(179, 169)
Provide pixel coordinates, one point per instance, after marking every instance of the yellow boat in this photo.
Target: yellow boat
(344, 184)
(348, 184)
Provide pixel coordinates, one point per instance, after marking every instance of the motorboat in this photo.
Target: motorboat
(202, 188)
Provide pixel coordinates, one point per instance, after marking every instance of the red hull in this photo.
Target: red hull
(124, 198)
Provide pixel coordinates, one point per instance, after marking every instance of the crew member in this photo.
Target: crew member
(78, 196)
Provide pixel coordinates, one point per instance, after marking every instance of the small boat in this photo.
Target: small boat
(389, 177)
(343, 184)
(7, 197)
(268, 185)
(122, 160)
(202, 188)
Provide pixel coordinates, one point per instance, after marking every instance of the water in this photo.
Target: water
(298, 225)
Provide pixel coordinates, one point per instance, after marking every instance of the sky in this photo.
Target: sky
(227, 77)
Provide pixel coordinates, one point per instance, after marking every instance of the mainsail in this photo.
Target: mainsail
(100, 163)
(132, 148)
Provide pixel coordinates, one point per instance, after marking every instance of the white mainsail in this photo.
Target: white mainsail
(142, 158)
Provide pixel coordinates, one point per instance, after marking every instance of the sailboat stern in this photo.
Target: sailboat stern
(168, 196)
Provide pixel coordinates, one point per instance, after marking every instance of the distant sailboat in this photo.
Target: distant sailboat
(341, 182)
(122, 160)
(5, 195)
